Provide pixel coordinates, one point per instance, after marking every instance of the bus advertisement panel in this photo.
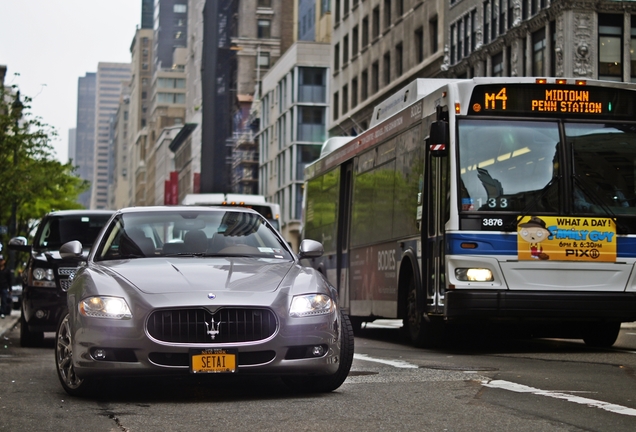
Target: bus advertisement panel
(485, 199)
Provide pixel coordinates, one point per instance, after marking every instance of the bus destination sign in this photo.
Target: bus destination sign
(548, 100)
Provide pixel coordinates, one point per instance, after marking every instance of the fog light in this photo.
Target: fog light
(40, 314)
(99, 354)
(317, 351)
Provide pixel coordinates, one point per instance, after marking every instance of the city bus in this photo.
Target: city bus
(505, 201)
(271, 211)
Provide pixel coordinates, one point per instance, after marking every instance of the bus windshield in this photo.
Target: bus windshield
(604, 167)
(508, 165)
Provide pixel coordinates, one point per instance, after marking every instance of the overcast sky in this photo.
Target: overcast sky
(51, 43)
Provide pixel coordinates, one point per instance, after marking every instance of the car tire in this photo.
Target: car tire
(325, 384)
(601, 335)
(72, 384)
(29, 338)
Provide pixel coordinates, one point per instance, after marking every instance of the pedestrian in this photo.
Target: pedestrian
(6, 280)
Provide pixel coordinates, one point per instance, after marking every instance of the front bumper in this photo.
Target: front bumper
(130, 351)
(540, 305)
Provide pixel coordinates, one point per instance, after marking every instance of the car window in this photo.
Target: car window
(187, 233)
(58, 230)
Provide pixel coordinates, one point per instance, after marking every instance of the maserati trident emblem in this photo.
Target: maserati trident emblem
(213, 329)
(211, 296)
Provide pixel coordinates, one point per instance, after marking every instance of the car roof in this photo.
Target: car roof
(160, 209)
(80, 212)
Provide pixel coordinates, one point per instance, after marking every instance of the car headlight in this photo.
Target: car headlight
(474, 275)
(310, 305)
(43, 277)
(105, 307)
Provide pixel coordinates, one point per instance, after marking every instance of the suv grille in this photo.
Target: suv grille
(200, 326)
(66, 275)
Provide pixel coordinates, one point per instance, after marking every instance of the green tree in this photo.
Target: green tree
(32, 181)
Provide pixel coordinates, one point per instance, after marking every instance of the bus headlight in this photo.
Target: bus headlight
(474, 275)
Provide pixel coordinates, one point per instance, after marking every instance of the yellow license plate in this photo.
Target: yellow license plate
(213, 361)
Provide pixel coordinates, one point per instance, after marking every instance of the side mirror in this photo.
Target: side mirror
(438, 139)
(72, 251)
(310, 249)
(20, 244)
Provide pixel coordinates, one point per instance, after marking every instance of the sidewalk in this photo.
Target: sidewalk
(9, 321)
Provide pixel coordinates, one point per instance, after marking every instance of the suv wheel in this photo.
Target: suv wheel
(29, 338)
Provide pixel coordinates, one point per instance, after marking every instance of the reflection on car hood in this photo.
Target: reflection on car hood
(162, 276)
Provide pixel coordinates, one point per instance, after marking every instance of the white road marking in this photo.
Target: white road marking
(394, 363)
(519, 388)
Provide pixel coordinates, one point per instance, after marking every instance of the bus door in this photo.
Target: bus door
(344, 219)
(434, 217)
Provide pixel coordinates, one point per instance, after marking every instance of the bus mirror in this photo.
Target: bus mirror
(438, 139)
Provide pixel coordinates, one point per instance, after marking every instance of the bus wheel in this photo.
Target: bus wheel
(418, 330)
(601, 335)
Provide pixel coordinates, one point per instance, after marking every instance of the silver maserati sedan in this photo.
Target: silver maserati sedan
(199, 290)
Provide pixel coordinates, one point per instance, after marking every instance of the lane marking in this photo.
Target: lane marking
(394, 363)
(520, 388)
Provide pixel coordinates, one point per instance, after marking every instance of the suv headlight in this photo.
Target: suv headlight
(43, 277)
(311, 305)
(105, 307)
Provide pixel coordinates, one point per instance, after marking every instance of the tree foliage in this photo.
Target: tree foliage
(32, 180)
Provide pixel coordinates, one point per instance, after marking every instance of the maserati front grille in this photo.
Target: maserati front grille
(226, 325)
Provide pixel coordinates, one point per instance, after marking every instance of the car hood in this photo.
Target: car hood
(164, 276)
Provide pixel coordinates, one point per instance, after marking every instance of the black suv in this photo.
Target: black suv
(47, 276)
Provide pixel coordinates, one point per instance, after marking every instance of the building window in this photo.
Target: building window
(538, 52)
(432, 30)
(364, 85)
(399, 8)
(337, 10)
(376, 22)
(354, 41)
(365, 31)
(336, 57)
(345, 99)
(387, 14)
(398, 60)
(486, 23)
(387, 68)
(312, 85)
(264, 29)
(311, 123)
(497, 65)
(610, 31)
(264, 3)
(375, 77)
(336, 103)
(419, 45)
(354, 92)
(262, 61)
(345, 50)
(511, 13)
(180, 8)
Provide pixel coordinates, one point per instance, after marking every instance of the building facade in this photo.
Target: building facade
(110, 79)
(85, 132)
(379, 46)
(293, 126)
(560, 38)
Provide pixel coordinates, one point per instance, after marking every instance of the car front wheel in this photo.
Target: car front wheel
(73, 385)
(29, 338)
(325, 384)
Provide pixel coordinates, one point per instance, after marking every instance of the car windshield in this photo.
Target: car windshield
(58, 230)
(183, 233)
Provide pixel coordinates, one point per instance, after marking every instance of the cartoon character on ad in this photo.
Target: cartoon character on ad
(534, 232)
